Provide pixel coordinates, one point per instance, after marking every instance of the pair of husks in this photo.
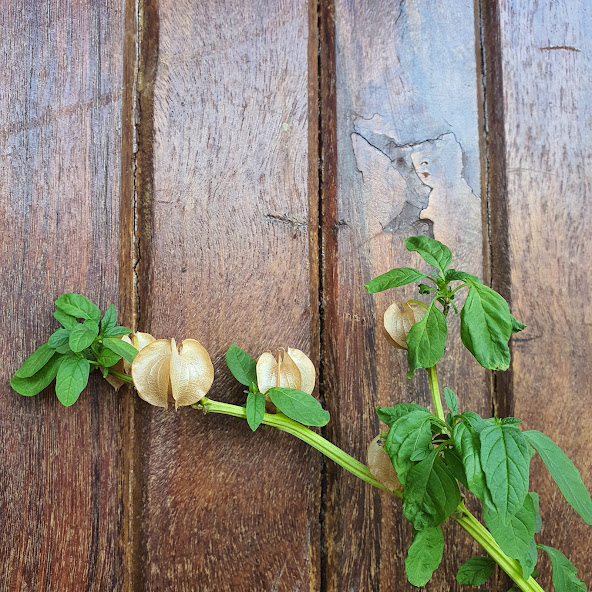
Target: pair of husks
(164, 372)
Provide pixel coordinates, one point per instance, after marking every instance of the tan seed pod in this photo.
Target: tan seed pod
(292, 369)
(151, 373)
(139, 340)
(380, 465)
(307, 370)
(397, 322)
(192, 372)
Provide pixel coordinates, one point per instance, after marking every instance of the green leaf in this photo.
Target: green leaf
(66, 320)
(452, 275)
(475, 571)
(486, 327)
(455, 465)
(83, 335)
(511, 420)
(299, 406)
(564, 473)
(116, 332)
(475, 421)
(466, 443)
(409, 433)
(125, 350)
(565, 577)
(109, 319)
(517, 326)
(389, 415)
(424, 555)
(71, 379)
(35, 361)
(505, 460)
(538, 523)
(426, 340)
(395, 278)
(108, 358)
(431, 493)
(242, 365)
(255, 409)
(59, 338)
(517, 536)
(79, 307)
(33, 385)
(432, 251)
(451, 401)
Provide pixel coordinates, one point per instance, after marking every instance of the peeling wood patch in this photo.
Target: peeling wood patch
(286, 219)
(563, 47)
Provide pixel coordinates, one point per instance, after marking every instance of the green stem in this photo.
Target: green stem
(121, 376)
(285, 424)
(435, 390)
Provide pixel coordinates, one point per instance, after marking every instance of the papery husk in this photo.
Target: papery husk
(151, 373)
(191, 372)
(380, 465)
(267, 372)
(306, 368)
(139, 340)
(397, 322)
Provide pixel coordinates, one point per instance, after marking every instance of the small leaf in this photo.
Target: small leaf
(433, 251)
(452, 275)
(565, 577)
(32, 385)
(517, 326)
(466, 443)
(66, 320)
(511, 421)
(389, 415)
(395, 278)
(424, 555)
(242, 365)
(108, 358)
(116, 332)
(475, 421)
(59, 338)
(409, 433)
(505, 460)
(564, 473)
(426, 340)
(538, 523)
(486, 327)
(109, 319)
(35, 361)
(299, 406)
(455, 466)
(125, 350)
(476, 571)
(451, 401)
(255, 409)
(71, 379)
(83, 335)
(79, 307)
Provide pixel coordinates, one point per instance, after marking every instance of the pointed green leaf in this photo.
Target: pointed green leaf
(59, 338)
(116, 332)
(71, 379)
(451, 401)
(395, 278)
(475, 421)
(475, 571)
(426, 340)
(517, 326)
(255, 409)
(125, 350)
(389, 415)
(242, 365)
(35, 361)
(424, 555)
(299, 406)
(565, 576)
(79, 307)
(83, 335)
(452, 275)
(455, 466)
(66, 320)
(564, 473)
(505, 460)
(33, 385)
(486, 327)
(433, 251)
(108, 358)
(109, 319)
(466, 443)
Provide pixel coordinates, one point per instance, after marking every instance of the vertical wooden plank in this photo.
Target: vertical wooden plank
(228, 255)
(545, 56)
(405, 115)
(60, 171)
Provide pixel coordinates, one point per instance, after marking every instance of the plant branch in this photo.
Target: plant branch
(435, 390)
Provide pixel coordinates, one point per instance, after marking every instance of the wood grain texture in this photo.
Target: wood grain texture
(228, 254)
(60, 146)
(406, 108)
(546, 55)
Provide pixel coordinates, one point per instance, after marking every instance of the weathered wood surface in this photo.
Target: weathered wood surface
(546, 59)
(406, 122)
(60, 170)
(228, 218)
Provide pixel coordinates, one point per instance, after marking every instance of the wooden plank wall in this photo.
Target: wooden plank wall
(165, 156)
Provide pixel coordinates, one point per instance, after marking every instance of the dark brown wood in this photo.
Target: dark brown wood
(60, 171)
(545, 95)
(401, 156)
(227, 210)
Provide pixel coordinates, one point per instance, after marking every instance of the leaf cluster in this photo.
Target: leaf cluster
(295, 404)
(84, 341)
(486, 324)
(490, 458)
